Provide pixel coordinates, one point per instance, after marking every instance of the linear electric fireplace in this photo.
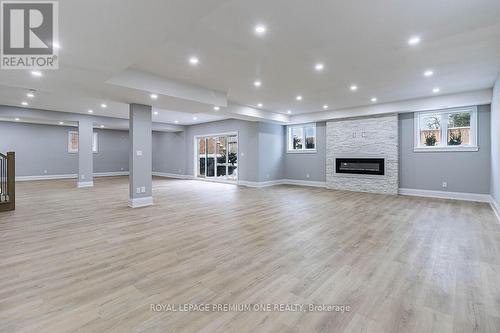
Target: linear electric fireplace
(360, 166)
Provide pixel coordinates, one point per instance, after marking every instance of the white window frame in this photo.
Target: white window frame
(95, 142)
(473, 144)
(304, 149)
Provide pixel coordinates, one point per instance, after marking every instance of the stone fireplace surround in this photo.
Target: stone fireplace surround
(363, 137)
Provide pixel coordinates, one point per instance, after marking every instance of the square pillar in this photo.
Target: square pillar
(140, 156)
(85, 157)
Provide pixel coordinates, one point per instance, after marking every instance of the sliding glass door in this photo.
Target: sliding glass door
(217, 157)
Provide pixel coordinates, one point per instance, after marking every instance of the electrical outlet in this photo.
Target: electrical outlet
(121, 169)
(139, 153)
(307, 175)
(445, 184)
(82, 176)
(143, 189)
(45, 171)
(138, 190)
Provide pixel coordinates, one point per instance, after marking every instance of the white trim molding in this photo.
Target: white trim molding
(303, 183)
(496, 208)
(140, 202)
(85, 184)
(445, 149)
(445, 195)
(260, 184)
(45, 177)
(282, 182)
(171, 175)
(69, 176)
(111, 174)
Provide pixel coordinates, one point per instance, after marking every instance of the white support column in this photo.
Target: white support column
(85, 157)
(140, 156)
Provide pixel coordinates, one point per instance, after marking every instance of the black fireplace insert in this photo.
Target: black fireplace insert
(360, 166)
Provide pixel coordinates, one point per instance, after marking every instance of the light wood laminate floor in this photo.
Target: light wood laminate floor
(81, 260)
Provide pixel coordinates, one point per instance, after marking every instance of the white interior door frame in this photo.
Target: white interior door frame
(196, 157)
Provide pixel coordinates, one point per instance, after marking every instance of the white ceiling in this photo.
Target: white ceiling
(360, 42)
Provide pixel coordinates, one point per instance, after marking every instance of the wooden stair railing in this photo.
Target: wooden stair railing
(7, 181)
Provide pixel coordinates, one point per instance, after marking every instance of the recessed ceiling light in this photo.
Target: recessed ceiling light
(325, 106)
(176, 121)
(102, 126)
(61, 123)
(216, 108)
(374, 99)
(17, 119)
(260, 105)
(414, 40)
(30, 94)
(194, 61)
(319, 67)
(153, 96)
(155, 113)
(257, 83)
(299, 98)
(36, 73)
(260, 29)
(195, 118)
(353, 87)
(103, 106)
(289, 111)
(436, 90)
(90, 111)
(428, 73)
(24, 103)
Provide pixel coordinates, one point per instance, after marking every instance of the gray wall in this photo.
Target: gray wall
(298, 165)
(495, 143)
(43, 149)
(271, 147)
(467, 172)
(169, 152)
(112, 151)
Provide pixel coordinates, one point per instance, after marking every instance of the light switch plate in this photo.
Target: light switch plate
(139, 153)
(143, 189)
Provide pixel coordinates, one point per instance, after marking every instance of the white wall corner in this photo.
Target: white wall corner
(140, 202)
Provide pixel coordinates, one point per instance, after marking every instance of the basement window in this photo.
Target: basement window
(302, 138)
(446, 130)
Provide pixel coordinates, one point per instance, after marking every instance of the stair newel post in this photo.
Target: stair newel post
(11, 178)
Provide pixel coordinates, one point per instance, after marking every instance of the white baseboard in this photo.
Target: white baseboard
(45, 177)
(171, 175)
(140, 202)
(259, 184)
(69, 176)
(111, 174)
(85, 184)
(445, 195)
(282, 182)
(303, 183)
(496, 208)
